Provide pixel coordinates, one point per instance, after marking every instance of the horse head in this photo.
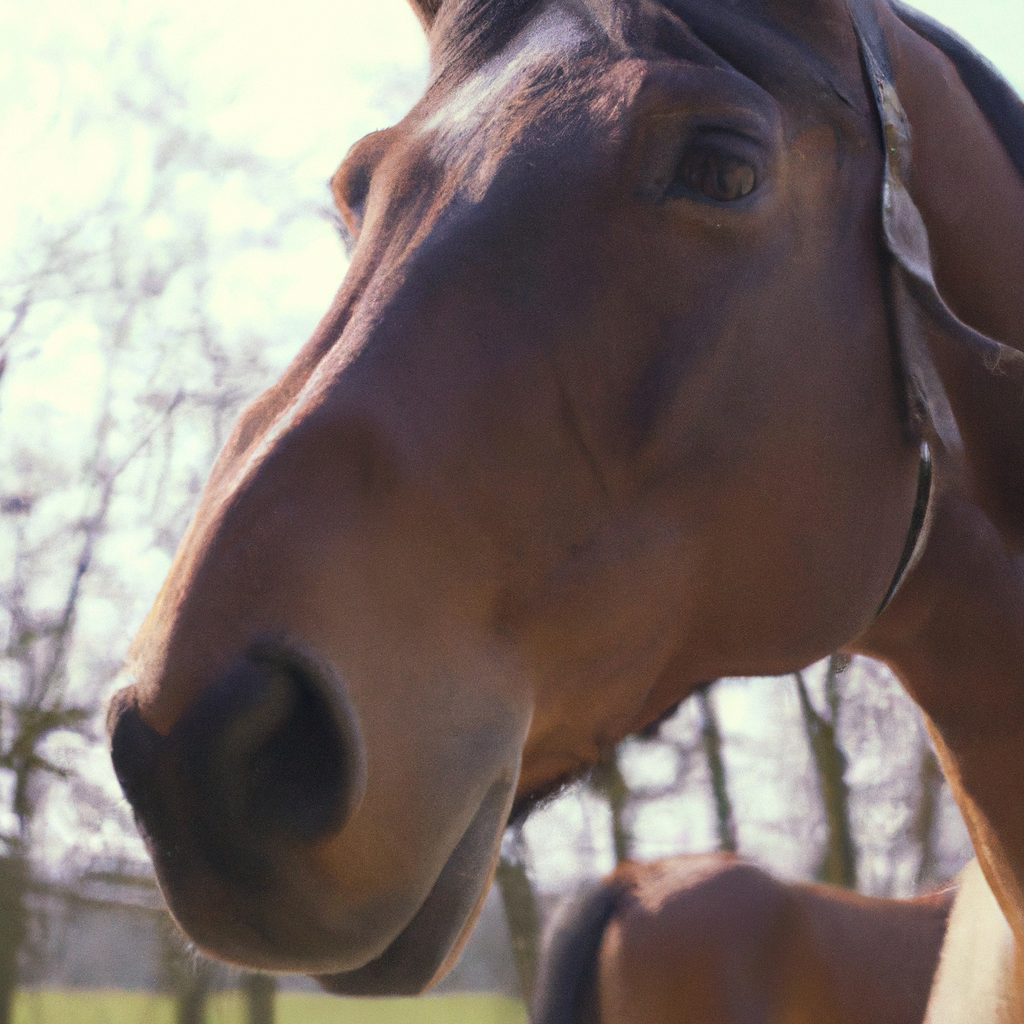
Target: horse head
(608, 404)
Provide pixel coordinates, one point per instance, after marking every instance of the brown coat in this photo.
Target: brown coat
(715, 940)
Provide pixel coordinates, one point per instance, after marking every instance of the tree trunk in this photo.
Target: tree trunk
(839, 863)
(607, 781)
(925, 820)
(260, 991)
(194, 994)
(711, 741)
(14, 879)
(186, 976)
(521, 913)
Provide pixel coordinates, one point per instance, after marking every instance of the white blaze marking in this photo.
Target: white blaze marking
(554, 33)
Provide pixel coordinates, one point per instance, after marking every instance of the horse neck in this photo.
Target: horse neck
(954, 635)
(954, 632)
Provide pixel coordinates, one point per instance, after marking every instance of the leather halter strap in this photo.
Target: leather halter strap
(905, 238)
(921, 316)
(917, 534)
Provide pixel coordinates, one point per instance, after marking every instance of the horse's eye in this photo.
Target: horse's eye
(713, 173)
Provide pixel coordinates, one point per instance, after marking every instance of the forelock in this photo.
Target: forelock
(742, 34)
(469, 33)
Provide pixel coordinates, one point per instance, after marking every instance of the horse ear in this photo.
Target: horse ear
(426, 11)
(954, 222)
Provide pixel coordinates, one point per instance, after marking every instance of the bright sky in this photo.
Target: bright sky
(311, 77)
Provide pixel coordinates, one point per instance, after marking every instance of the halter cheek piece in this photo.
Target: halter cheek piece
(920, 315)
(905, 236)
(917, 534)
(922, 320)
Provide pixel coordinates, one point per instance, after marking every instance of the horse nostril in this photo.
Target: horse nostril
(272, 751)
(268, 756)
(135, 752)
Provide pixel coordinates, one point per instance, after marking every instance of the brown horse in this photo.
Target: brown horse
(714, 940)
(625, 389)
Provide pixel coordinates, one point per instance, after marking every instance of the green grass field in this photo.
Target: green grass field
(292, 1008)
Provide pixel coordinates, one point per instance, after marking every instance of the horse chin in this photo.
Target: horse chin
(429, 945)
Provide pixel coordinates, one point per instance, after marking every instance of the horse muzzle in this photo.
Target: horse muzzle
(241, 804)
(268, 761)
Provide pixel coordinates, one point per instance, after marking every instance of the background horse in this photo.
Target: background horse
(713, 940)
(625, 389)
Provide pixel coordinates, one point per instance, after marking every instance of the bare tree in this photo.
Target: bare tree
(706, 745)
(924, 828)
(13, 928)
(185, 975)
(711, 742)
(839, 862)
(34, 707)
(260, 991)
(521, 912)
(130, 277)
(607, 781)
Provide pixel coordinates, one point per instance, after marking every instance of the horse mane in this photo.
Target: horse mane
(996, 98)
(566, 990)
